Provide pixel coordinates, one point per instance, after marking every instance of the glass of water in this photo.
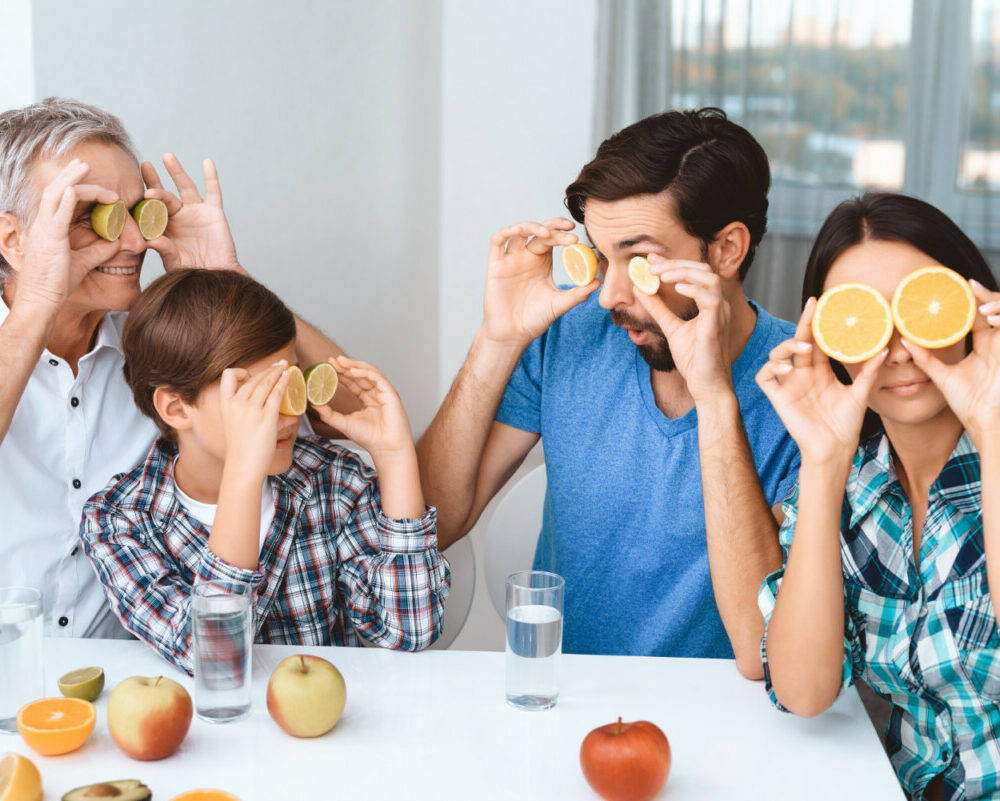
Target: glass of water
(22, 677)
(534, 638)
(222, 630)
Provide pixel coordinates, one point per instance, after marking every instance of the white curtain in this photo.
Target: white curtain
(844, 95)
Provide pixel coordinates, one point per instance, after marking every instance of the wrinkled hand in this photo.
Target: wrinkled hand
(522, 299)
(823, 416)
(197, 232)
(52, 270)
(250, 406)
(700, 346)
(972, 386)
(380, 426)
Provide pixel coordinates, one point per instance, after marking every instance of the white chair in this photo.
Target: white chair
(512, 534)
(462, 559)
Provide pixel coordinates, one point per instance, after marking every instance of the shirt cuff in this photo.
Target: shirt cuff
(216, 570)
(408, 534)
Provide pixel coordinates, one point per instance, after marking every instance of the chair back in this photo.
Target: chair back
(462, 559)
(512, 534)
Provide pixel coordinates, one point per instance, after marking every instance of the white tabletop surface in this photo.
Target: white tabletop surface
(434, 725)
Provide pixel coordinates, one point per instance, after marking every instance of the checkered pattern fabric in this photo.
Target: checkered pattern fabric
(332, 566)
(924, 637)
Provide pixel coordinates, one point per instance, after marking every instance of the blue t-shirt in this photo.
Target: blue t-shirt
(624, 521)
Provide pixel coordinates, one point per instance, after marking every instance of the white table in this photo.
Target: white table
(434, 725)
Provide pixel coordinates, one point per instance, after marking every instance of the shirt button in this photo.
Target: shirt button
(76, 483)
(75, 551)
(53, 362)
(74, 402)
(64, 621)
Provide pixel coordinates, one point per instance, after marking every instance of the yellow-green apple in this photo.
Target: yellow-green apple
(149, 717)
(306, 695)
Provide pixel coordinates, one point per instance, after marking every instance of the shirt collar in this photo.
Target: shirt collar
(873, 475)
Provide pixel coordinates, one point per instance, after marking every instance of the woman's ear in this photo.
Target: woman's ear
(728, 249)
(11, 240)
(172, 409)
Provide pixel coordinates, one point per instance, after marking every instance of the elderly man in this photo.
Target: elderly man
(67, 420)
(666, 465)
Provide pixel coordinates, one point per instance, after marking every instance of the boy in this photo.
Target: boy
(228, 495)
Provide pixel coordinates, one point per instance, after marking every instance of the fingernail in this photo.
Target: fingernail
(803, 346)
(993, 319)
(986, 308)
(784, 367)
(975, 283)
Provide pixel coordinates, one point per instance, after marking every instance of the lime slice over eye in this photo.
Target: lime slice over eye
(86, 683)
(321, 383)
(294, 402)
(108, 219)
(151, 217)
(644, 280)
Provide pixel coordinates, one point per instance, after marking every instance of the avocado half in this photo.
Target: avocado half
(123, 790)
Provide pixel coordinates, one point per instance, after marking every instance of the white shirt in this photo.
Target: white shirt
(68, 437)
(205, 512)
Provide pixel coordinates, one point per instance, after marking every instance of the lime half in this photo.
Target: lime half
(108, 219)
(86, 683)
(151, 217)
(321, 383)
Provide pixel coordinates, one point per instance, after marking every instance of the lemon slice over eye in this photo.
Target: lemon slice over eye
(644, 280)
(108, 219)
(151, 217)
(321, 383)
(294, 402)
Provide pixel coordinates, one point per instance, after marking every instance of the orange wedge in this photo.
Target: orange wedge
(580, 263)
(644, 280)
(55, 726)
(294, 402)
(852, 322)
(934, 307)
(19, 779)
(205, 795)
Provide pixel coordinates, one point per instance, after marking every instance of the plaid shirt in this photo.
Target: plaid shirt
(332, 566)
(926, 640)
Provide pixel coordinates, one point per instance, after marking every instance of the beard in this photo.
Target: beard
(657, 353)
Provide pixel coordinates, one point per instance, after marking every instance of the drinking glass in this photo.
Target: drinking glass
(22, 677)
(534, 638)
(222, 630)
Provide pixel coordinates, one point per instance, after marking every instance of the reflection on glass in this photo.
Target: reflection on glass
(821, 84)
(979, 159)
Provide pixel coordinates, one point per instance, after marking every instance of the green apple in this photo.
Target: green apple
(149, 717)
(306, 695)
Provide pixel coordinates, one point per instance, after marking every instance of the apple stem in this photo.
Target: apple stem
(619, 724)
(302, 660)
(160, 678)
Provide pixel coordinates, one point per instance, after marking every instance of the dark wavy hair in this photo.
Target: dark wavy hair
(891, 217)
(716, 172)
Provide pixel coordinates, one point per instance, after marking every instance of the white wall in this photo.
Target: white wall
(17, 87)
(367, 151)
(324, 120)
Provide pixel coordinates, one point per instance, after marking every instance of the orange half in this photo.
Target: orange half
(934, 307)
(852, 322)
(54, 726)
(205, 795)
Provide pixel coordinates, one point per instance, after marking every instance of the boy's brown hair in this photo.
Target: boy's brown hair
(190, 325)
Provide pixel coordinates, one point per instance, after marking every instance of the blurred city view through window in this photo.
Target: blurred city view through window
(979, 165)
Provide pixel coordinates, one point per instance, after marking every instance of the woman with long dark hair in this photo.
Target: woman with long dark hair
(890, 541)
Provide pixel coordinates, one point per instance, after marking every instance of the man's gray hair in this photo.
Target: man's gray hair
(47, 130)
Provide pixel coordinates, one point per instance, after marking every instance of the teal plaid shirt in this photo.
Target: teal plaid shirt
(925, 640)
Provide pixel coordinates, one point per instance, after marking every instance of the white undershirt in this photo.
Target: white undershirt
(205, 512)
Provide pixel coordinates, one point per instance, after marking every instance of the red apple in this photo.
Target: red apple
(149, 717)
(306, 695)
(626, 761)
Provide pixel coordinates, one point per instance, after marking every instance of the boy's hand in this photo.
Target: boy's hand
(380, 426)
(250, 406)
